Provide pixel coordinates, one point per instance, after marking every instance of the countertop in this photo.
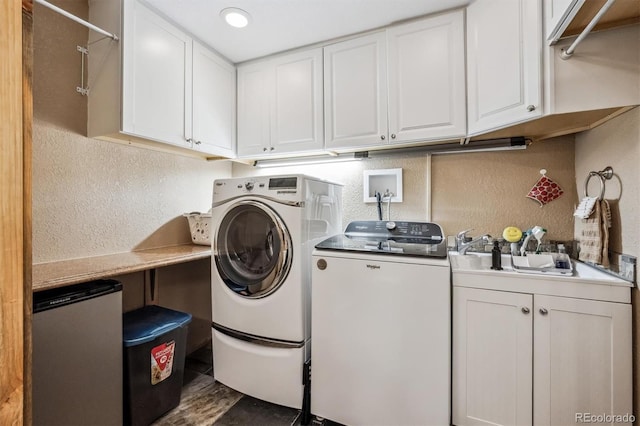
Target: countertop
(74, 271)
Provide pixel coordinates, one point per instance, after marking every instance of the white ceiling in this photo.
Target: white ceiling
(278, 25)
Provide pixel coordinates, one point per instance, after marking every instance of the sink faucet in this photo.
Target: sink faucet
(463, 245)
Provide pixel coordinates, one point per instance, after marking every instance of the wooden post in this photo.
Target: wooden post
(27, 138)
(11, 216)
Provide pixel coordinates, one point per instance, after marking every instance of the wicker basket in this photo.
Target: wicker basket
(200, 227)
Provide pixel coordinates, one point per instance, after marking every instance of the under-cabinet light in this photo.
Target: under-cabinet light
(301, 161)
(504, 144)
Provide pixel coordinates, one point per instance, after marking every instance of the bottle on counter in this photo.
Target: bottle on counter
(496, 256)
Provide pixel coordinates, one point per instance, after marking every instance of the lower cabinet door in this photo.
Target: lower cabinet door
(582, 361)
(492, 364)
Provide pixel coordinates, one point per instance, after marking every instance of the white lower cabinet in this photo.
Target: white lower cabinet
(522, 359)
(582, 360)
(492, 357)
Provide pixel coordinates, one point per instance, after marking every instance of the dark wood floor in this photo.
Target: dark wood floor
(205, 402)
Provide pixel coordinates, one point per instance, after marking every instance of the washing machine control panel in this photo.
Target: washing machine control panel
(285, 188)
(410, 232)
(397, 237)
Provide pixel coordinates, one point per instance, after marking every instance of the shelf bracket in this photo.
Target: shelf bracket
(84, 52)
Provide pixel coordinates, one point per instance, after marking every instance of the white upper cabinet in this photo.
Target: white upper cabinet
(504, 63)
(156, 72)
(254, 115)
(164, 88)
(280, 105)
(427, 91)
(355, 92)
(403, 85)
(214, 103)
(297, 102)
(558, 15)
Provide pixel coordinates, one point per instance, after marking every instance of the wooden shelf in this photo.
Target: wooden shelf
(74, 271)
(556, 125)
(622, 12)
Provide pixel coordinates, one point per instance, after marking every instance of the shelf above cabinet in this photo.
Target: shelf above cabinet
(551, 126)
(622, 12)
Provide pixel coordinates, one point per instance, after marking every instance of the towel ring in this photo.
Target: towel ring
(603, 175)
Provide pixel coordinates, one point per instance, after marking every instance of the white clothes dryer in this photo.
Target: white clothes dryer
(264, 230)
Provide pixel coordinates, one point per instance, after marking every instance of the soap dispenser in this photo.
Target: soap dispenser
(496, 256)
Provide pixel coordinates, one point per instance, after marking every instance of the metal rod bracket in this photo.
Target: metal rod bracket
(84, 52)
(567, 53)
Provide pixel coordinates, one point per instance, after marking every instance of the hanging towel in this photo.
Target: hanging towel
(594, 238)
(585, 208)
(545, 190)
(606, 224)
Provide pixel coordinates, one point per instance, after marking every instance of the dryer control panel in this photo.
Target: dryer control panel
(289, 189)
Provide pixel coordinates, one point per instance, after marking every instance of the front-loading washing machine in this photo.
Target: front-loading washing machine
(264, 230)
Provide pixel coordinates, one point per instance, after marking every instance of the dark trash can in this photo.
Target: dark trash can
(155, 340)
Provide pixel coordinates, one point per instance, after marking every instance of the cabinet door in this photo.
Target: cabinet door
(558, 15)
(254, 117)
(492, 365)
(297, 103)
(504, 39)
(582, 359)
(427, 94)
(214, 103)
(157, 70)
(355, 92)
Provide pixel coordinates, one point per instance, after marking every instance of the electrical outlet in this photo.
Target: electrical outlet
(627, 267)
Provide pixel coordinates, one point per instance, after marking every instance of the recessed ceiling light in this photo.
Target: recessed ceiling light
(235, 17)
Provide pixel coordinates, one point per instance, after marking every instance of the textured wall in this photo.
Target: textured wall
(92, 197)
(616, 144)
(485, 191)
(350, 174)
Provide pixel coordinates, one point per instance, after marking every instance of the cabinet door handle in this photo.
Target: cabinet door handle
(543, 311)
(531, 108)
(271, 149)
(525, 310)
(190, 140)
(264, 149)
(198, 142)
(393, 135)
(382, 137)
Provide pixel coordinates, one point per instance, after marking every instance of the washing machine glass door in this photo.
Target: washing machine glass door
(252, 249)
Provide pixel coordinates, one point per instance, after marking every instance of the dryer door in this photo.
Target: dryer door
(252, 249)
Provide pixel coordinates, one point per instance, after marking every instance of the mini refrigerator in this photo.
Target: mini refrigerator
(77, 355)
